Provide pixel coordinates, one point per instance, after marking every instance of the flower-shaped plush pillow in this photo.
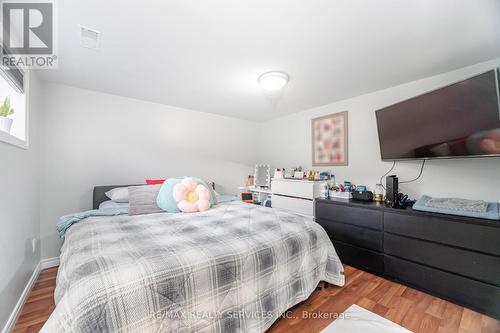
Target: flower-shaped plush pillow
(190, 196)
(184, 186)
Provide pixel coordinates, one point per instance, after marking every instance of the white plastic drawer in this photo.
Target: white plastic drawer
(293, 188)
(301, 206)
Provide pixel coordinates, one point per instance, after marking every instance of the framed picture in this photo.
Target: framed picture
(329, 140)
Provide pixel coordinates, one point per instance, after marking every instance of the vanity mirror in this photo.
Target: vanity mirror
(262, 176)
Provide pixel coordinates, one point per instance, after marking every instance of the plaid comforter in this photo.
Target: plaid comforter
(234, 268)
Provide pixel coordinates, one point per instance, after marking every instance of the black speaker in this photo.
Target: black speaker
(391, 189)
(362, 196)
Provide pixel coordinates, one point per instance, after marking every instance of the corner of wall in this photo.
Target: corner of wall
(20, 215)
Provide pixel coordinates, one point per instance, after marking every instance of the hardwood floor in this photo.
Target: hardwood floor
(410, 308)
(40, 303)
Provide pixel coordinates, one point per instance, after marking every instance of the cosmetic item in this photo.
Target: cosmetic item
(324, 175)
(278, 173)
(378, 193)
(324, 191)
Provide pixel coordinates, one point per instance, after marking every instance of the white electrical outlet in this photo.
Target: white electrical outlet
(33, 244)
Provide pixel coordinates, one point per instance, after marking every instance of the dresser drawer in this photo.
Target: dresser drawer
(466, 235)
(362, 237)
(368, 260)
(477, 295)
(362, 217)
(475, 265)
(297, 188)
(297, 205)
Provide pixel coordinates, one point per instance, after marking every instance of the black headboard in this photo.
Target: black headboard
(100, 196)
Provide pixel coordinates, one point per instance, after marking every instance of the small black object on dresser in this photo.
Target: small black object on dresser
(392, 190)
(452, 257)
(362, 196)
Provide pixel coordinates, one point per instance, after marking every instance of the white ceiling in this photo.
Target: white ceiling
(206, 55)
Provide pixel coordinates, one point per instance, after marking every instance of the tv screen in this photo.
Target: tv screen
(460, 120)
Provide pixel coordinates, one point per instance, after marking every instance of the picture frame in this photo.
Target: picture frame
(329, 138)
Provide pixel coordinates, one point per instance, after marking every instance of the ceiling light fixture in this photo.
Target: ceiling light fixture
(272, 81)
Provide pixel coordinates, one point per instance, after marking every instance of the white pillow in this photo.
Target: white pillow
(111, 204)
(119, 194)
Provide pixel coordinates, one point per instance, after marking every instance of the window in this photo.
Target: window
(13, 107)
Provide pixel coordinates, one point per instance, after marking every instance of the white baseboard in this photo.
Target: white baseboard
(49, 262)
(9, 326)
(43, 264)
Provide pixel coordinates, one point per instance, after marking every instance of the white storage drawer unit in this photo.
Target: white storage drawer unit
(296, 205)
(295, 195)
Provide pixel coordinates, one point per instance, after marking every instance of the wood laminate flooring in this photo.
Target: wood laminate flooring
(415, 310)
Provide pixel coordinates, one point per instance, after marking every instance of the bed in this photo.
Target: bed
(234, 268)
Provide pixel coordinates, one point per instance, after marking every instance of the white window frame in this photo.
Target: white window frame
(11, 139)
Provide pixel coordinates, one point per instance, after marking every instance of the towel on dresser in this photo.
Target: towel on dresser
(461, 207)
(479, 206)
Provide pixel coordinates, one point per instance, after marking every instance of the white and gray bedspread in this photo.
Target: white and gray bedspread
(234, 268)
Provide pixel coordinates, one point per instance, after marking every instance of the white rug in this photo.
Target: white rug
(356, 319)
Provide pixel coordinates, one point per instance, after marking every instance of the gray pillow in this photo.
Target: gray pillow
(142, 200)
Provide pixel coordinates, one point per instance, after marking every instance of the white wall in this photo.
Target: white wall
(19, 211)
(289, 144)
(90, 139)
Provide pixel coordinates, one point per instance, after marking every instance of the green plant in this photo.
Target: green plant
(5, 109)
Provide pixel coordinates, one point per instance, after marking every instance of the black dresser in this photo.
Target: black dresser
(452, 257)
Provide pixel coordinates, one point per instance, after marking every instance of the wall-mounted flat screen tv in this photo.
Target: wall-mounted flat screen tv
(459, 120)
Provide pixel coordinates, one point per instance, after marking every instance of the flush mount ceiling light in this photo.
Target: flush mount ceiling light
(272, 81)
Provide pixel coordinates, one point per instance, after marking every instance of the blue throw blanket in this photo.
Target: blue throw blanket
(492, 212)
(67, 221)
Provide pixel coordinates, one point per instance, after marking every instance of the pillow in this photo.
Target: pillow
(142, 200)
(118, 194)
(191, 197)
(166, 200)
(211, 187)
(155, 181)
(109, 204)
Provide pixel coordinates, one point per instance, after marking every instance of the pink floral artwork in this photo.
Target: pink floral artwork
(329, 140)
